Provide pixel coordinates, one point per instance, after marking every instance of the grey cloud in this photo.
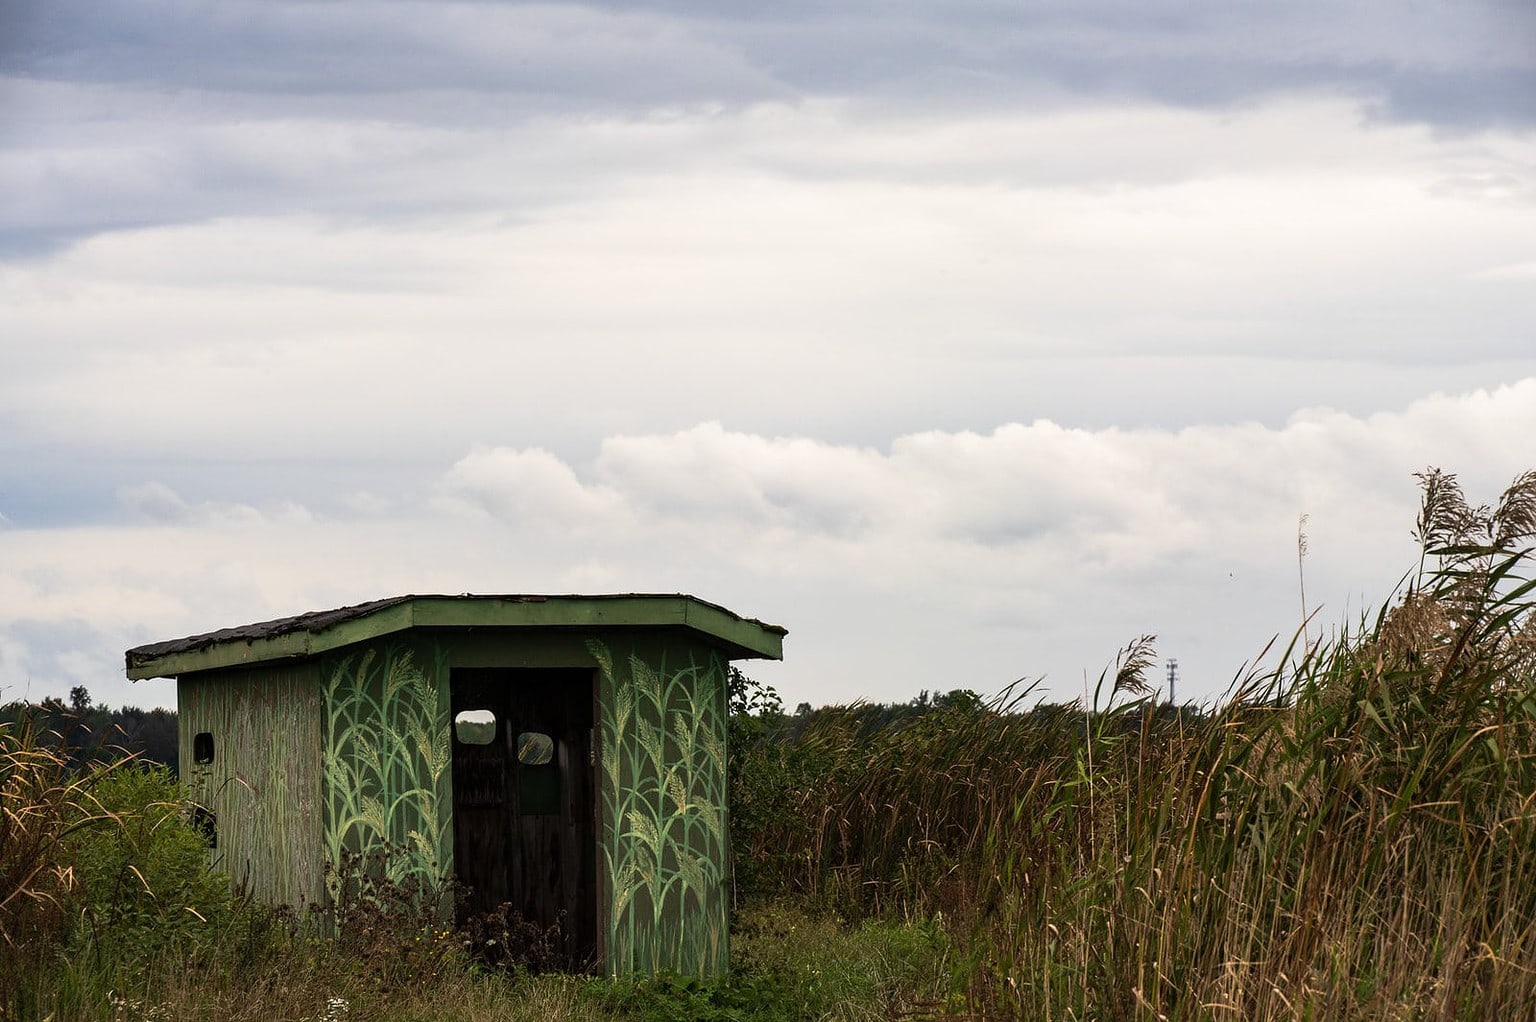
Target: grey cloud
(155, 503)
(58, 633)
(47, 656)
(41, 657)
(1448, 61)
(557, 53)
(123, 115)
(1464, 98)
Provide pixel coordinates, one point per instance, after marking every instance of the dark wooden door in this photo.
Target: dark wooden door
(524, 816)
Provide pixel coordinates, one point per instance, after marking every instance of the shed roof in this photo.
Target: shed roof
(319, 631)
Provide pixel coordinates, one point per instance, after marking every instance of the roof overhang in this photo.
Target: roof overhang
(319, 632)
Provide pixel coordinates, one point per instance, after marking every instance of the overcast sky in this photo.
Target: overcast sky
(967, 340)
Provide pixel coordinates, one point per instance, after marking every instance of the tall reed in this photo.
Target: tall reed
(1350, 834)
(45, 799)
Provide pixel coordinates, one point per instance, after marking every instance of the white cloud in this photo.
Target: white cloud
(367, 503)
(528, 488)
(158, 504)
(1511, 271)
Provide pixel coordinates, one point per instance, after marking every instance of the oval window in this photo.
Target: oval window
(475, 727)
(535, 748)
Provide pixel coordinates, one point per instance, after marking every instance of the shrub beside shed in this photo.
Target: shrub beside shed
(564, 754)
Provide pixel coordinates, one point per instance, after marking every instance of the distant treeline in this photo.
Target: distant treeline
(86, 731)
(759, 715)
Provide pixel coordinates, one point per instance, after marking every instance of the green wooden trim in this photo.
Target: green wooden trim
(738, 638)
(241, 652)
(766, 641)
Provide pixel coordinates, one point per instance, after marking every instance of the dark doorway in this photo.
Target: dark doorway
(524, 816)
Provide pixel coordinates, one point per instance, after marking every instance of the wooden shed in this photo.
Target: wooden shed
(565, 754)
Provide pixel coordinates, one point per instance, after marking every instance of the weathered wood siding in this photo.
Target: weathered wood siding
(264, 782)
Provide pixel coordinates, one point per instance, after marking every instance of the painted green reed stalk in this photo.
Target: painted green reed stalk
(664, 799)
(1351, 834)
(386, 763)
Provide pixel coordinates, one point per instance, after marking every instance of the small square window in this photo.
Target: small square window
(475, 727)
(202, 747)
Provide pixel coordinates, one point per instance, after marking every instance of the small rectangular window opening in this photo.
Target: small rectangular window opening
(202, 747)
(475, 727)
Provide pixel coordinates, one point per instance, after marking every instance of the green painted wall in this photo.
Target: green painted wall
(351, 752)
(387, 764)
(663, 840)
(264, 782)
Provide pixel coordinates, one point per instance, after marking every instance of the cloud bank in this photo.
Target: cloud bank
(944, 559)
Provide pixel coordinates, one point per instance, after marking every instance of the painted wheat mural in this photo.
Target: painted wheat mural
(664, 797)
(387, 762)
